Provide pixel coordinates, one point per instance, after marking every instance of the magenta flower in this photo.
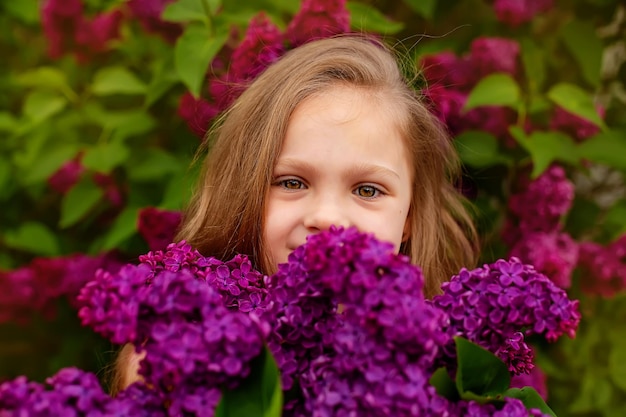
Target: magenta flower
(536, 379)
(318, 19)
(92, 36)
(541, 203)
(158, 227)
(37, 286)
(197, 113)
(577, 127)
(66, 176)
(553, 254)
(604, 267)
(517, 12)
(447, 70)
(148, 12)
(69, 31)
(490, 55)
(60, 20)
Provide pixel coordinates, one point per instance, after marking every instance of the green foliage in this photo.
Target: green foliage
(494, 90)
(259, 395)
(482, 377)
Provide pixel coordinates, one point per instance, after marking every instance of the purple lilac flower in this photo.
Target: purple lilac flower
(197, 113)
(604, 267)
(372, 358)
(517, 12)
(318, 19)
(261, 46)
(72, 392)
(540, 204)
(536, 379)
(446, 70)
(491, 305)
(174, 309)
(490, 55)
(66, 176)
(579, 128)
(554, 254)
(68, 31)
(148, 12)
(157, 226)
(512, 408)
(59, 19)
(37, 286)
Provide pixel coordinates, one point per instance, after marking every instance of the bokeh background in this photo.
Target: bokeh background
(104, 102)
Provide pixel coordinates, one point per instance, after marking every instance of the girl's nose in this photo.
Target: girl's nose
(322, 214)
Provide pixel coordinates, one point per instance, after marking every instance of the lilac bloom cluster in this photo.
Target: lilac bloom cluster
(534, 228)
(38, 285)
(68, 30)
(451, 78)
(498, 305)
(71, 392)
(345, 319)
(517, 12)
(263, 43)
(352, 326)
(604, 266)
(181, 310)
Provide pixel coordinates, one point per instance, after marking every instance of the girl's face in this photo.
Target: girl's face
(344, 163)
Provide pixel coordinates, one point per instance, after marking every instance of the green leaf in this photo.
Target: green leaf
(117, 80)
(47, 163)
(260, 394)
(479, 371)
(365, 18)
(185, 11)
(41, 105)
(193, 52)
(121, 124)
(497, 89)
(25, 10)
(534, 64)
(530, 398)
(49, 77)
(425, 8)
(582, 42)
(445, 386)
(479, 149)
(154, 163)
(615, 221)
(5, 176)
(546, 147)
(607, 147)
(8, 122)
(576, 100)
(124, 226)
(33, 237)
(164, 78)
(104, 157)
(617, 366)
(79, 201)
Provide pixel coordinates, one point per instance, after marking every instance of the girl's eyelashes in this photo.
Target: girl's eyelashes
(290, 183)
(368, 192)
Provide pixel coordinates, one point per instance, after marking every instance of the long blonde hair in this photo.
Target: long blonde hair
(225, 214)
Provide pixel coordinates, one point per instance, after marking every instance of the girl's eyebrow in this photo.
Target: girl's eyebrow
(362, 169)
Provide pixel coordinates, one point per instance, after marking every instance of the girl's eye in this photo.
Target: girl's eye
(367, 191)
(291, 184)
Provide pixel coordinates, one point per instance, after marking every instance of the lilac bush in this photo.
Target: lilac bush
(345, 318)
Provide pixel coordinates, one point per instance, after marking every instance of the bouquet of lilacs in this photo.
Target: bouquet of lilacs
(342, 329)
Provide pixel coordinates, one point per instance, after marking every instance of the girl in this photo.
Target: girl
(330, 134)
